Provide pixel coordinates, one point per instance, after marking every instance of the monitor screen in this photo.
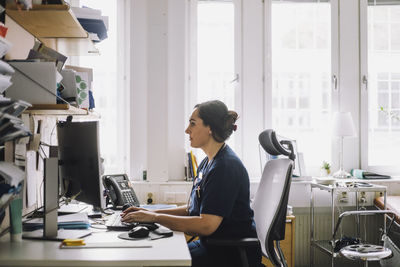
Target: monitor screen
(79, 161)
(298, 169)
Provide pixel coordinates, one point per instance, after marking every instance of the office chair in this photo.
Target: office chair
(270, 203)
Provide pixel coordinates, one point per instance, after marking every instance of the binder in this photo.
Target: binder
(194, 164)
(33, 82)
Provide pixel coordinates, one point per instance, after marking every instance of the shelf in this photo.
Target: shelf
(329, 188)
(55, 26)
(48, 21)
(59, 110)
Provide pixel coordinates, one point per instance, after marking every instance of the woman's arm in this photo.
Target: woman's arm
(179, 211)
(203, 225)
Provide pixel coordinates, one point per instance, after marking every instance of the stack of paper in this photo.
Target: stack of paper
(11, 126)
(5, 69)
(93, 22)
(70, 221)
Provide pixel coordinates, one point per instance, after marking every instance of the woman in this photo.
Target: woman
(219, 205)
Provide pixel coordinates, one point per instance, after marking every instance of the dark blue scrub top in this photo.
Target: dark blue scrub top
(222, 188)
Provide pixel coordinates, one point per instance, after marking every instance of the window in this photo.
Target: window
(383, 63)
(301, 71)
(215, 46)
(106, 91)
(215, 55)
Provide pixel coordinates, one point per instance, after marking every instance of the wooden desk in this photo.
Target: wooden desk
(287, 244)
(171, 251)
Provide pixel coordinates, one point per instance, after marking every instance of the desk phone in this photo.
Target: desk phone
(119, 190)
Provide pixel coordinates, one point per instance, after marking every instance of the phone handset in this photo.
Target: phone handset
(119, 190)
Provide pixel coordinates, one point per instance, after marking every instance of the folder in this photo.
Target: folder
(70, 221)
(33, 82)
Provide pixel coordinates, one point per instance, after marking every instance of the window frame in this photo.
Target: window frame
(364, 97)
(335, 73)
(192, 65)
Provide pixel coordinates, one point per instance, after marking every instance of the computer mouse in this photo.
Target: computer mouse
(139, 232)
(149, 225)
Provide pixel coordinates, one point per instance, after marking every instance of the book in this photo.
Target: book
(190, 168)
(40, 51)
(70, 221)
(194, 164)
(361, 174)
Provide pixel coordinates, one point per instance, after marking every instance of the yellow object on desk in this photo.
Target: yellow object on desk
(73, 242)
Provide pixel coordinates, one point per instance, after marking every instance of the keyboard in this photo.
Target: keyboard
(114, 223)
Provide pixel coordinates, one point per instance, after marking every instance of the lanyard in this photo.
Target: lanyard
(199, 179)
(204, 174)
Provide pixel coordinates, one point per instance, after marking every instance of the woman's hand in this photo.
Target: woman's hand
(140, 215)
(132, 209)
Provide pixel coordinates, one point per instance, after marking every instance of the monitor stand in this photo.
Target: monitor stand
(50, 224)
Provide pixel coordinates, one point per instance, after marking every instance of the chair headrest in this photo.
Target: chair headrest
(273, 146)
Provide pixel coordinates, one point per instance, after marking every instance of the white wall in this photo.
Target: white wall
(349, 78)
(157, 84)
(251, 115)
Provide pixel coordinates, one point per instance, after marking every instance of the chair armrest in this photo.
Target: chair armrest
(360, 212)
(233, 242)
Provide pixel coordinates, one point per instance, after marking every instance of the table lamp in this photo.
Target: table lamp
(343, 127)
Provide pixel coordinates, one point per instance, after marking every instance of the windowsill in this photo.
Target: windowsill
(309, 179)
(163, 183)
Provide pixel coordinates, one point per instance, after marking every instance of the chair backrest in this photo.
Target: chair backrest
(270, 202)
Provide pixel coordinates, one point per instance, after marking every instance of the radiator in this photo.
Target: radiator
(322, 231)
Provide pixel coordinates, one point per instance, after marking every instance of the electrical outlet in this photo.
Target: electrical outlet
(343, 198)
(362, 198)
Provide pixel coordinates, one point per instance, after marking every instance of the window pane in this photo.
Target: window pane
(384, 84)
(105, 87)
(301, 70)
(215, 58)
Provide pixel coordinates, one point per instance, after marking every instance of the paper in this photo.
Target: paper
(5, 82)
(5, 68)
(11, 173)
(61, 234)
(20, 155)
(31, 174)
(26, 121)
(122, 244)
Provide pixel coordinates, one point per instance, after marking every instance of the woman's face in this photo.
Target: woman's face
(199, 134)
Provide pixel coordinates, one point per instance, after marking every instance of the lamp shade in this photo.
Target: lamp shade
(343, 125)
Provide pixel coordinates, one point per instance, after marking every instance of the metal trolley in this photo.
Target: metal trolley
(327, 246)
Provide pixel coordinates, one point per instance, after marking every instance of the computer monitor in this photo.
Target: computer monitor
(79, 161)
(298, 168)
